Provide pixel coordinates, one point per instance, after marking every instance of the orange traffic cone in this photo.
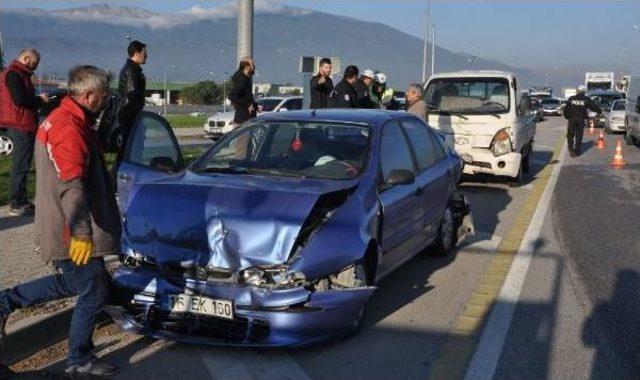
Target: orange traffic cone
(592, 131)
(600, 144)
(618, 161)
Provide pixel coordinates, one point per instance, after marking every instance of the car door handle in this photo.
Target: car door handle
(125, 177)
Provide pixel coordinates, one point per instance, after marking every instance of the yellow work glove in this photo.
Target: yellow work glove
(80, 250)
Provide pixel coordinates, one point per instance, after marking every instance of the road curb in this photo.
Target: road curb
(32, 334)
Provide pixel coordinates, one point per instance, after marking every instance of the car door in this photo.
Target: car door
(292, 105)
(401, 214)
(151, 152)
(434, 180)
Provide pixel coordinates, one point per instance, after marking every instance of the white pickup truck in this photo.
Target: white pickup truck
(486, 119)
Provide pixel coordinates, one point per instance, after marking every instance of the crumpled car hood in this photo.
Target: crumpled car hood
(229, 222)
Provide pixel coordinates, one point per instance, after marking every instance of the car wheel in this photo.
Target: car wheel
(447, 235)
(629, 139)
(362, 278)
(117, 140)
(6, 146)
(526, 161)
(607, 130)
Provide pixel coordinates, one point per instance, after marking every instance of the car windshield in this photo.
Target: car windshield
(468, 95)
(268, 105)
(605, 101)
(550, 102)
(618, 106)
(291, 149)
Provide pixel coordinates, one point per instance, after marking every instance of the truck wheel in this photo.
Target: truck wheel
(6, 146)
(117, 140)
(526, 160)
(518, 179)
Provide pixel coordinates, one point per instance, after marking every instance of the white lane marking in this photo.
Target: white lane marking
(242, 364)
(485, 359)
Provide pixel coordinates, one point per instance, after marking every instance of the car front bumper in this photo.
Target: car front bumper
(616, 126)
(262, 317)
(482, 161)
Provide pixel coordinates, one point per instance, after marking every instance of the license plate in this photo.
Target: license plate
(185, 303)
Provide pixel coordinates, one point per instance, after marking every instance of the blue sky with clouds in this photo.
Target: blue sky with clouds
(522, 33)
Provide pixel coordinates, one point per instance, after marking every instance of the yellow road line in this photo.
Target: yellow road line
(459, 347)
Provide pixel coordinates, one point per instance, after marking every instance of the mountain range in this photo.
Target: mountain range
(200, 44)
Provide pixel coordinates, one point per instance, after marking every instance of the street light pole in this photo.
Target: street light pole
(426, 42)
(164, 104)
(245, 29)
(224, 92)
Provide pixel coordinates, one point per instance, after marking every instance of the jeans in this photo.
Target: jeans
(89, 283)
(21, 162)
(575, 130)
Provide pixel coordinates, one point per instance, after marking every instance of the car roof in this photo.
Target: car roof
(475, 74)
(280, 97)
(360, 116)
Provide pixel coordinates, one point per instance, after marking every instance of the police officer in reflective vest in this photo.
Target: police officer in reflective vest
(576, 112)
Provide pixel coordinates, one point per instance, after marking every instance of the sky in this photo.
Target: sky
(533, 34)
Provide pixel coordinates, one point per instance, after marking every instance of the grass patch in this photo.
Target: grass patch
(186, 121)
(190, 154)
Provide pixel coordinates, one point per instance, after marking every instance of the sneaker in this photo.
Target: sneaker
(20, 211)
(572, 153)
(94, 367)
(577, 152)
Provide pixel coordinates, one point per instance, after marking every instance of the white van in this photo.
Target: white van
(485, 118)
(632, 110)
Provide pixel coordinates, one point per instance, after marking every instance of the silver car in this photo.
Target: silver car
(615, 119)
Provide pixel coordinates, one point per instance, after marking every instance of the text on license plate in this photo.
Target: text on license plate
(185, 303)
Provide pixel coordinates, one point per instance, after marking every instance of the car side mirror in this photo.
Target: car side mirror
(163, 164)
(400, 177)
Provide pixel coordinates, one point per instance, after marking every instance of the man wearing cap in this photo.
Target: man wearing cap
(576, 113)
(362, 87)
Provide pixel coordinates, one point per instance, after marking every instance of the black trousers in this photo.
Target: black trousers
(20, 163)
(575, 130)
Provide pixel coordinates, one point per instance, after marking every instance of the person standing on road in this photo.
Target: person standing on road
(344, 95)
(76, 220)
(363, 88)
(18, 113)
(576, 112)
(415, 102)
(321, 85)
(241, 93)
(131, 87)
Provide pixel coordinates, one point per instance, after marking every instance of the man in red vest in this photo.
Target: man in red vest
(18, 106)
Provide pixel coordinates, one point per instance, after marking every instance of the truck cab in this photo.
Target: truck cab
(485, 118)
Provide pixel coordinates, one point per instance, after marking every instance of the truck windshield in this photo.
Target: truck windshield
(598, 86)
(475, 96)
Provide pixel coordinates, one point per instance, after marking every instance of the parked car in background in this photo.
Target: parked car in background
(536, 106)
(485, 117)
(551, 107)
(615, 117)
(279, 234)
(222, 123)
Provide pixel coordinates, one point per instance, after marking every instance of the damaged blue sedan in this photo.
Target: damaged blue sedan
(279, 233)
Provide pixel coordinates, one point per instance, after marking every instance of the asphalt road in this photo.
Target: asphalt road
(576, 317)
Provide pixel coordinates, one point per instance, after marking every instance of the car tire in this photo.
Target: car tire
(6, 146)
(629, 139)
(526, 160)
(116, 140)
(359, 323)
(447, 235)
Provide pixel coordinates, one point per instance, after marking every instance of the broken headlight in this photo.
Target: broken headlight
(279, 277)
(501, 143)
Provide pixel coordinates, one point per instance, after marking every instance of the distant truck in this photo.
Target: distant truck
(569, 92)
(540, 92)
(599, 81)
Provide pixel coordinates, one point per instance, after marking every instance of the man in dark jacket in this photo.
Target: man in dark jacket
(131, 87)
(241, 93)
(18, 107)
(321, 85)
(76, 222)
(344, 95)
(576, 112)
(362, 87)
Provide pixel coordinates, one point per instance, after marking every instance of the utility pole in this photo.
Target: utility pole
(164, 103)
(245, 29)
(425, 52)
(433, 49)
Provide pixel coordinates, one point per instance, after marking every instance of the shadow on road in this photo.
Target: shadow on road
(14, 222)
(613, 328)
